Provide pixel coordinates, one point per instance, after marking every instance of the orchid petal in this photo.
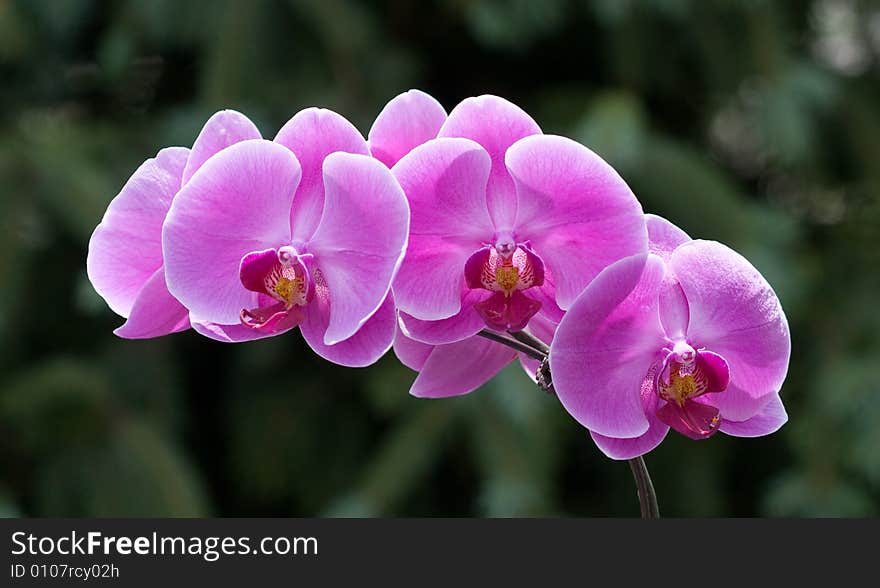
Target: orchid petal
(674, 310)
(410, 352)
(237, 333)
(636, 446)
(460, 368)
(223, 129)
(573, 206)
(546, 295)
(364, 348)
(239, 204)
(496, 124)
(768, 420)
(663, 236)
(313, 134)
(445, 182)
(125, 250)
(361, 240)
(449, 330)
(734, 403)
(606, 343)
(735, 313)
(155, 312)
(407, 121)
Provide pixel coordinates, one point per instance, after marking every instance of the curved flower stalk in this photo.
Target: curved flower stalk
(508, 225)
(125, 262)
(304, 231)
(689, 337)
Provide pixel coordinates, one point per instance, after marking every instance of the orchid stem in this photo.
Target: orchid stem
(536, 349)
(530, 340)
(647, 496)
(514, 344)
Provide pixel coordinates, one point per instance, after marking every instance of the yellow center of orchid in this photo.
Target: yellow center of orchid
(507, 277)
(681, 387)
(291, 291)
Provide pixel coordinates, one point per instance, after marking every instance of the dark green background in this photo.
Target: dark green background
(756, 123)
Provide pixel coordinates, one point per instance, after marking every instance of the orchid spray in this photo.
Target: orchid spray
(465, 241)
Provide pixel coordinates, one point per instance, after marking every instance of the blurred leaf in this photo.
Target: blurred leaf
(136, 473)
(279, 399)
(399, 465)
(61, 402)
(8, 509)
(515, 24)
(515, 442)
(388, 384)
(146, 381)
(65, 162)
(62, 18)
(15, 37)
(799, 496)
(688, 187)
(614, 127)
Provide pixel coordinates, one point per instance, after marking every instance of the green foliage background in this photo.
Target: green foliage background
(756, 123)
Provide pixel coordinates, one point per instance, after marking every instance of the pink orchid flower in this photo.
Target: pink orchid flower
(125, 262)
(304, 231)
(500, 212)
(407, 121)
(506, 222)
(690, 336)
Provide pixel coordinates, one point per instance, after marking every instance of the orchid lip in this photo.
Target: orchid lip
(685, 375)
(281, 278)
(507, 270)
